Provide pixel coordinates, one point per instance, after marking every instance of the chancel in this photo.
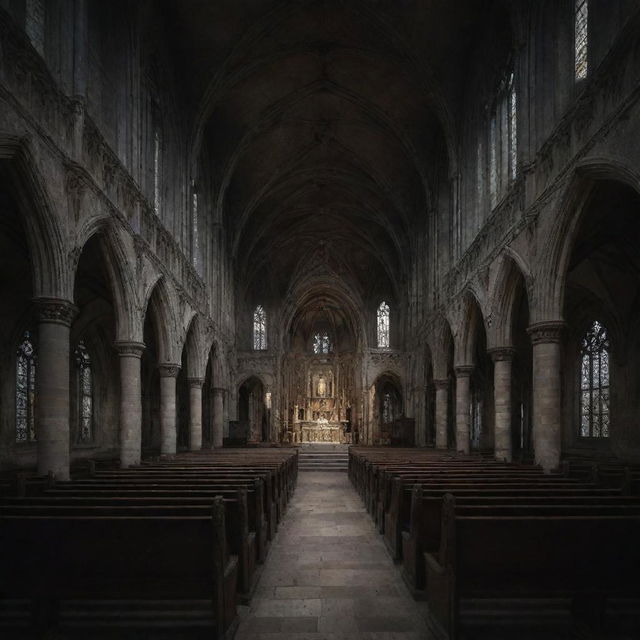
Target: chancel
(319, 319)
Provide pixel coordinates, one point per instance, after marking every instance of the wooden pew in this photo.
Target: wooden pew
(204, 493)
(241, 540)
(494, 564)
(126, 573)
(396, 518)
(178, 482)
(423, 534)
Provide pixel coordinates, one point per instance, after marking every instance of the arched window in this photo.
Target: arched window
(581, 38)
(321, 343)
(503, 138)
(594, 382)
(25, 390)
(84, 378)
(259, 329)
(383, 326)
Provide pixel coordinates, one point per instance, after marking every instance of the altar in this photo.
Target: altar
(320, 406)
(321, 430)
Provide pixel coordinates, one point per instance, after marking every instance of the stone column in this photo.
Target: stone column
(441, 412)
(52, 386)
(547, 397)
(168, 432)
(130, 402)
(218, 417)
(463, 407)
(502, 359)
(195, 413)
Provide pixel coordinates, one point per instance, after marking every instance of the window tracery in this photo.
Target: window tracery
(25, 390)
(383, 325)
(259, 329)
(321, 343)
(84, 377)
(581, 38)
(594, 382)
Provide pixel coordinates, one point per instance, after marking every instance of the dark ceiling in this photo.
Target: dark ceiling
(329, 126)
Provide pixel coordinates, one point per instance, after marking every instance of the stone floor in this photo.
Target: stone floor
(328, 574)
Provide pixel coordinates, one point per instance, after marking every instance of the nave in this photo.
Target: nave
(328, 574)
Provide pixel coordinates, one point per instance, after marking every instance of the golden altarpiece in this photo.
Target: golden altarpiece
(321, 396)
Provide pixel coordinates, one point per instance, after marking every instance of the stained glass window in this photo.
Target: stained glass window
(581, 26)
(321, 343)
(383, 325)
(387, 408)
(25, 390)
(259, 329)
(85, 393)
(594, 383)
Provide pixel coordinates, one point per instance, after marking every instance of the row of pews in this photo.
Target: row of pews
(500, 548)
(166, 549)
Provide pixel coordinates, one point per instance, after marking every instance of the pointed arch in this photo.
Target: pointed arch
(472, 319)
(120, 278)
(550, 277)
(51, 275)
(195, 345)
(442, 345)
(160, 306)
(512, 275)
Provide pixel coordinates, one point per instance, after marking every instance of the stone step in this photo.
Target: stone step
(323, 457)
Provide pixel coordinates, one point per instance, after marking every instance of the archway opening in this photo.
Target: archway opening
(388, 408)
(18, 324)
(602, 309)
(151, 431)
(94, 369)
(253, 413)
(521, 377)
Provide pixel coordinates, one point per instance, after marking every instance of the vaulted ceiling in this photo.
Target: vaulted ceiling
(330, 127)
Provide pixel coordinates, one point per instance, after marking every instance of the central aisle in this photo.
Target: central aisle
(328, 574)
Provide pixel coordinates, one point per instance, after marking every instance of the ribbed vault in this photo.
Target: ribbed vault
(325, 123)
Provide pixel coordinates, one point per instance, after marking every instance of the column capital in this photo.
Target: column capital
(218, 389)
(129, 348)
(168, 370)
(441, 384)
(464, 370)
(499, 354)
(195, 383)
(546, 332)
(56, 311)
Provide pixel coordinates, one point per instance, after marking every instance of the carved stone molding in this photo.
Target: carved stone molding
(168, 370)
(502, 353)
(56, 311)
(195, 383)
(129, 349)
(464, 370)
(546, 332)
(441, 384)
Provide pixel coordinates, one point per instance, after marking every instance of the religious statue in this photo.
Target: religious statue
(322, 387)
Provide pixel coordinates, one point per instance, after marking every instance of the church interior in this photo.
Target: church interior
(318, 319)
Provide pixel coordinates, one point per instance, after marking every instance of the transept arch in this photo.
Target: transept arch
(549, 283)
